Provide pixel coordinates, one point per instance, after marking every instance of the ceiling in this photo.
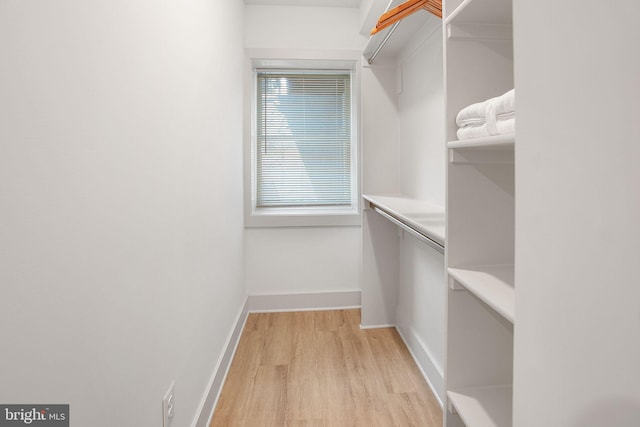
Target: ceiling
(321, 3)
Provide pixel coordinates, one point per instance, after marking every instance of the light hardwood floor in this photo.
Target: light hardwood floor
(320, 369)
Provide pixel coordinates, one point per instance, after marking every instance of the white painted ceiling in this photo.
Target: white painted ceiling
(322, 3)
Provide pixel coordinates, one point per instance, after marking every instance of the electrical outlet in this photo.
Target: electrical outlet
(168, 407)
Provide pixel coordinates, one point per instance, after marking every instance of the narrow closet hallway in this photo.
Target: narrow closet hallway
(254, 213)
(318, 368)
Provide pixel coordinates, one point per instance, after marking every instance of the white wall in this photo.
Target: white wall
(120, 203)
(420, 313)
(421, 117)
(308, 260)
(303, 27)
(302, 260)
(380, 156)
(577, 215)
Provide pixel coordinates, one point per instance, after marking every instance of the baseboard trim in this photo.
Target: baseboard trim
(214, 387)
(376, 326)
(263, 303)
(432, 374)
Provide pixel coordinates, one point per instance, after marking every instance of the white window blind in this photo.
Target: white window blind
(303, 137)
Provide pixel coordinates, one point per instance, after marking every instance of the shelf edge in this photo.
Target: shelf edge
(475, 393)
(508, 311)
(497, 141)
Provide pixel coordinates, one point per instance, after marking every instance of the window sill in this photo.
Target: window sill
(274, 217)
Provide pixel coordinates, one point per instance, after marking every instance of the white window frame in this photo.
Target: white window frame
(300, 216)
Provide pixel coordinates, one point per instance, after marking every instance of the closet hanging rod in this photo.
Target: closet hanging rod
(382, 43)
(415, 233)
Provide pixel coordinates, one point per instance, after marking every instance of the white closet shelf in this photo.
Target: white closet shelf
(497, 142)
(492, 149)
(423, 217)
(492, 284)
(481, 12)
(484, 406)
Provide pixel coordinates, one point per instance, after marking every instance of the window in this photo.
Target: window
(303, 150)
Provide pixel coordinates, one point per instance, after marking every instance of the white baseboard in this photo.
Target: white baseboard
(376, 326)
(214, 387)
(431, 372)
(304, 302)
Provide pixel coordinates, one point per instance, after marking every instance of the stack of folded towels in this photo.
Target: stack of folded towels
(495, 116)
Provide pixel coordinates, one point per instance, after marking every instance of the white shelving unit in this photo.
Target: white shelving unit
(480, 220)
(403, 180)
(395, 211)
(383, 216)
(411, 214)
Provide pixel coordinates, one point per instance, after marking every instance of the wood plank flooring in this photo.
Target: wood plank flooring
(319, 369)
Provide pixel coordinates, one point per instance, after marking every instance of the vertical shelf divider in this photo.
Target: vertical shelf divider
(480, 220)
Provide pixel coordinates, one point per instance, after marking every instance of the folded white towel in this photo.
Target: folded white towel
(499, 127)
(506, 103)
(469, 132)
(495, 116)
(475, 121)
(505, 116)
(476, 114)
(506, 126)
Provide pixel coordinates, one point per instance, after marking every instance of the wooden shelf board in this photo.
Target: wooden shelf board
(492, 284)
(427, 218)
(484, 406)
